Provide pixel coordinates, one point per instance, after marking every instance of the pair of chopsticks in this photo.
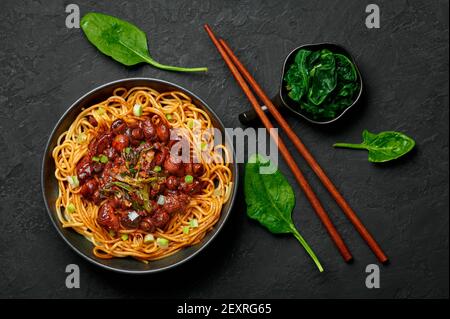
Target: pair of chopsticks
(242, 75)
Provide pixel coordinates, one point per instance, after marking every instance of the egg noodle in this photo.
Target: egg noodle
(178, 111)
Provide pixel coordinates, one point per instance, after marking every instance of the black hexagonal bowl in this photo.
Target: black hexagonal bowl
(283, 101)
(50, 186)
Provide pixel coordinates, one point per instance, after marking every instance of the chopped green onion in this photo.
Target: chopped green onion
(203, 146)
(137, 109)
(124, 237)
(73, 181)
(81, 138)
(190, 123)
(157, 169)
(101, 111)
(162, 242)
(168, 116)
(112, 233)
(104, 159)
(132, 170)
(142, 143)
(161, 200)
(127, 150)
(186, 229)
(95, 159)
(188, 179)
(148, 238)
(193, 222)
(70, 208)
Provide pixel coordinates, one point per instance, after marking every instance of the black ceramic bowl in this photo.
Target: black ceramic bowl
(50, 186)
(282, 100)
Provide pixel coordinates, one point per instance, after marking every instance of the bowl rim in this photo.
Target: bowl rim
(304, 115)
(217, 228)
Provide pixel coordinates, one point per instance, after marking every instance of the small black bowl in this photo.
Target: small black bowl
(50, 185)
(282, 100)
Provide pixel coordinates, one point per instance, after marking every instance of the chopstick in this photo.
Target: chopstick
(301, 148)
(311, 196)
(233, 62)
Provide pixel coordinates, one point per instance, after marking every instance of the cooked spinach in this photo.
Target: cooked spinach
(122, 41)
(270, 200)
(322, 83)
(384, 146)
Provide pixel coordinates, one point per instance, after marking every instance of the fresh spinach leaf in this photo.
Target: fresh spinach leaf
(384, 146)
(297, 76)
(270, 200)
(122, 41)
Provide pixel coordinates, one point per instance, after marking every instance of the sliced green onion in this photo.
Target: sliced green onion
(168, 116)
(157, 169)
(186, 229)
(73, 181)
(127, 150)
(161, 200)
(101, 111)
(149, 238)
(81, 138)
(95, 159)
(112, 233)
(190, 123)
(193, 222)
(203, 146)
(104, 159)
(70, 208)
(188, 179)
(137, 109)
(162, 242)
(142, 143)
(124, 237)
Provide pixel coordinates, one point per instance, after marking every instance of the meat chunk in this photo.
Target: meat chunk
(89, 188)
(175, 202)
(172, 167)
(107, 218)
(160, 218)
(120, 142)
(85, 169)
(163, 133)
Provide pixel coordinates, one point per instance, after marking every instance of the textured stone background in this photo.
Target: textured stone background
(44, 67)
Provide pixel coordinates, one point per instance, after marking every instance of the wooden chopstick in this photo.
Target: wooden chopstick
(311, 196)
(348, 211)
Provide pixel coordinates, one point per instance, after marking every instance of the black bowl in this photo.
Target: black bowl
(50, 186)
(282, 100)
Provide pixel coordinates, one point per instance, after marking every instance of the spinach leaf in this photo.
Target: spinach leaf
(323, 78)
(322, 83)
(384, 146)
(270, 200)
(122, 41)
(297, 76)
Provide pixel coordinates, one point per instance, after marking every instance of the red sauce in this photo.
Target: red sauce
(129, 169)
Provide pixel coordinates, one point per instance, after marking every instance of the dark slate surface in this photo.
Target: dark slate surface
(44, 67)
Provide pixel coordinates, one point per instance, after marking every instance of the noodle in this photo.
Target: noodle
(206, 207)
